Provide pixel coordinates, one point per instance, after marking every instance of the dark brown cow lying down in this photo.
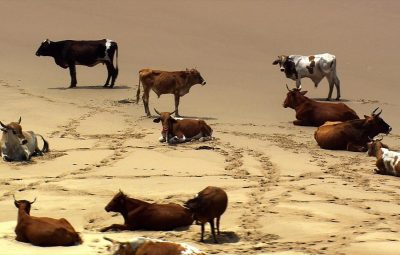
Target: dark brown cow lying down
(210, 203)
(142, 215)
(148, 246)
(312, 113)
(43, 231)
(352, 135)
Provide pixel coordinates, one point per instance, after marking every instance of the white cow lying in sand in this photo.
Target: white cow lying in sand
(18, 145)
(147, 246)
(182, 130)
(387, 161)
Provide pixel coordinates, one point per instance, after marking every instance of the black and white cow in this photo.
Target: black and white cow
(315, 67)
(70, 53)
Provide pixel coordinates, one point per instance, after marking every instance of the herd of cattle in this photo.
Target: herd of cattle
(339, 128)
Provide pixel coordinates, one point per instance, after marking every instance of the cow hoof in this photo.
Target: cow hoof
(337, 99)
(105, 85)
(328, 99)
(72, 86)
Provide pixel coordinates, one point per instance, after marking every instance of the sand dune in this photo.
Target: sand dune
(286, 195)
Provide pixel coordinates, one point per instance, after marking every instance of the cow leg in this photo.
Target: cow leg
(177, 98)
(302, 123)
(109, 73)
(213, 230)
(331, 84)
(356, 147)
(72, 72)
(145, 98)
(218, 219)
(115, 227)
(298, 83)
(337, 84)
(202, 232)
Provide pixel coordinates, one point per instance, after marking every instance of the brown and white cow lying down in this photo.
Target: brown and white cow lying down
(182, 130)
(18, 145)
(209, 204)
(142, 215)
(69, 53)
(312, 113)
(387, 161)
(43, 231)
(315, 67)
(162, 82)
(351, 135)
(148, 246)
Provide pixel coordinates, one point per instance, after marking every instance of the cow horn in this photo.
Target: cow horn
(15, 200)
(299, 87)
(172, 112)
(379, 139)
(370, 139)
(33, 201)
(373, 112)
(19, 121)
(4, 126)
(157, 111)
(379, 113)
(287, 87)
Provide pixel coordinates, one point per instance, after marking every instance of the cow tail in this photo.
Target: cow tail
(46, 147)
(116, 58)
(138, 91)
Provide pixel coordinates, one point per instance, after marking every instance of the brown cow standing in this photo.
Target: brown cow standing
(352, 135)
(43, 231)
(210, 203)
(182, 130)
(312, 113)
(148, 246)
(163, 82)
(142, 215)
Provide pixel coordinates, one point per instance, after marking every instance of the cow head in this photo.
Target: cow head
(294, 97)
(14, 129)
(286, 65)
(44, 48)
(117, 203)
(23, 204)
(194, 77)
(374, 124)
(375, 145)
(166, 120)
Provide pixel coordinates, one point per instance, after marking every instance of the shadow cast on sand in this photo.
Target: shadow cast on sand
(331, 101)
(92, 87)
(223, 237)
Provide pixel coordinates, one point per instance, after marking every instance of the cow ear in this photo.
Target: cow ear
(276, 61)
(157, 120)
(366, 116)
(303, 92)
(4, 129)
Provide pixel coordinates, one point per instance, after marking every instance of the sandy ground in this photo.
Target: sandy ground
(286, 196)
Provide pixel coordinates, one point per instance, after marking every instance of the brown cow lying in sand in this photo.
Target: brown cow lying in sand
(387, 161)
(352, 135)
(43, 231)
(149, 246)
(162, 82)
(312, 113)
(142, 215)
(182, 130)
(210, 203)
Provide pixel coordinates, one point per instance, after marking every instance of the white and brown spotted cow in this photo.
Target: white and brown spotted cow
(315, 67)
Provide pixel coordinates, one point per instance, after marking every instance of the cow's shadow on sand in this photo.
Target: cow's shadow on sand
(323, 99)
(223, 237)
(100, 87)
